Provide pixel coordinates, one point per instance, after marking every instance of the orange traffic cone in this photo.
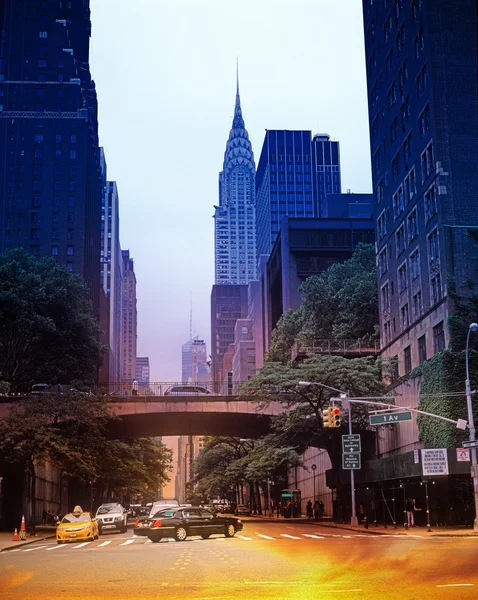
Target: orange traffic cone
(15, 536)
(23, 532)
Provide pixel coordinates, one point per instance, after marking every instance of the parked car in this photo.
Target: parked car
(183, 522)
(187, 390)
(242, 509)
(112, 516)
(77, 525)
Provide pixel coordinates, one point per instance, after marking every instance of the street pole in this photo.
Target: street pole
(353, 519)
(471, 424)
(269, 497)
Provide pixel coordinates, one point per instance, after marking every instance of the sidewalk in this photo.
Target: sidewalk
(373, 530)
(43, 532)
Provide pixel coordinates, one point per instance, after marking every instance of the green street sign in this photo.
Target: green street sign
(390, 418)
(351, 443)
(351, 460)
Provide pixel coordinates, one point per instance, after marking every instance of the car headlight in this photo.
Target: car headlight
(118, 518)
(239, 521)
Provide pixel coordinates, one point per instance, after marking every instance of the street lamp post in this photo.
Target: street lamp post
(471, 424)
(346, 404)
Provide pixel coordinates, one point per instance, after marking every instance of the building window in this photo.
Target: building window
(402, 278)
(377, 160)
(422, 349)
(35, 234)
(419, 44)
(382, 261)
(381, 226)
(407, 149)
(38, 138)
(379, 192)
(38, 154)
(395, 166)
(412, 222)
(392, 96)
(415, 264)
(406, 113)
(387, 330)
(57, 153)
(36, 202)
(398, 202)
(439, 337)
(407, 359)
(427, 162)
(41, 62)
(43, 34)
(385, 298)
(69, 250)
(69, 235)
(69, 266)
(417, 305)
(73, 139)
(404, 316)
(58, 138)
(410, 186)
(54, 250)
(424, 121)
(422, 81)
(436, 289)
(400, 240)
(430, 203)
(72, 153)
(433, 246)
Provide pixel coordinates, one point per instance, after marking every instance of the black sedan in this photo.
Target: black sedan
(183, 522)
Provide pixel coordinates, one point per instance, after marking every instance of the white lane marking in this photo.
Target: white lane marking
(82, 545)
(314, 537)
(346, 536)
(292, 537)
(217, 539)
(243, 537)
(36, 548)
(17, 550)
(345, 591)
(266, 537)
(456, 585)
(149, 542)
(54, 547)
(104, 544)
(127, 543)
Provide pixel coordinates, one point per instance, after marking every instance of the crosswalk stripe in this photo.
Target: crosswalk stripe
(82, 545)
(148, 542)
(243, 537)
(54, 547)
(346, 536)
(218, 539)
(315, 537)
(292, 537)
(266, 537)
(127, 543)
(36, 548)
(104, 544)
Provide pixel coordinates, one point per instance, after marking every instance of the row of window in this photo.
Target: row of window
(438, 346)
(433, 247)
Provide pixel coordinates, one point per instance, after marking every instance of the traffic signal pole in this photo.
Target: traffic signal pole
(353, 519)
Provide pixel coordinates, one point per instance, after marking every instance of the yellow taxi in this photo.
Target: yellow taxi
(77, 525)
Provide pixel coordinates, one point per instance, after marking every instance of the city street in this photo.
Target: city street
(266, 560)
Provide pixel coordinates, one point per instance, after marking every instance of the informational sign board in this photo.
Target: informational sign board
(463, 454)
(351, 443)
(351, 460)
(390, 418)
(434, 462)
(416, 457)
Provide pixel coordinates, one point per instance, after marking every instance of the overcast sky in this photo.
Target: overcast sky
(165, 76)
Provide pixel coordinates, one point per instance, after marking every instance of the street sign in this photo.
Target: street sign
(390, 418)
(463, 455)
(351, 443)
(434, 461)
(416, 457)
(473, 444)
(351, 460)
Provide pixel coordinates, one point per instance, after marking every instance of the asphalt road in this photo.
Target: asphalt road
(266, 560)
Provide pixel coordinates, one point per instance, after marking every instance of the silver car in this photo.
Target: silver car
(112, 517)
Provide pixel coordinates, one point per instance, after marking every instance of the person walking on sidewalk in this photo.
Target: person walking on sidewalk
(410, 507)
(316, 510)
(308, 509)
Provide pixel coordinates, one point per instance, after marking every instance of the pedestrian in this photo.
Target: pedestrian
(44, 516)
(316, 510)
(278, 507)
(321, 509)
(416, 509)
(49, 518)
(362, 516)
(409, 507)
(308, 509)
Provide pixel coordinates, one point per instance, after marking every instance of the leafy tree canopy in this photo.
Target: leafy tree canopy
(341, 303)
(47, 332)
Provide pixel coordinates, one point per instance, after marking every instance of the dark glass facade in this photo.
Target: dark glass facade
(423, 113)
(50, 182)
(294, 175)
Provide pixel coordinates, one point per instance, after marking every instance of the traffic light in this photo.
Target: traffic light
(327, 417)
(335, 420)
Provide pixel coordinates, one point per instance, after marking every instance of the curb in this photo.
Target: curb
(40, 539)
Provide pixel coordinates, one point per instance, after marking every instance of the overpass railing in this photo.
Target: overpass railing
(348, 348)
(172, 388)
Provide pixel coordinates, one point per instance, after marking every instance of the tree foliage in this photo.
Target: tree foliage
(47, 332)
(341, 303)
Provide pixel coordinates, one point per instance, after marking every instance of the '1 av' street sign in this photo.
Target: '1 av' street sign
(390, 418)
(473, 444)
(351, 460)
(351, 443)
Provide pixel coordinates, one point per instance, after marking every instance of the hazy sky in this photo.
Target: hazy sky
(165, 76)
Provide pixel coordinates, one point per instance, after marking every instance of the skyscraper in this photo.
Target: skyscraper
(294, 175)
(142, 370)
(50, 180)
(129, 315)
(234, 219)
(194, 361)
(423, 114)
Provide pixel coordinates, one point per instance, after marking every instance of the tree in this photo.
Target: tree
(284, 335)
(47, 331)
(300, 424)
(66, 430)
(342, 302)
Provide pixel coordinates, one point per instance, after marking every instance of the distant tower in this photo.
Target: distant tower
(235, 245)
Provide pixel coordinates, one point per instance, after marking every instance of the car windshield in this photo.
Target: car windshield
(164, 513)
(83, 518)
(108, 508)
